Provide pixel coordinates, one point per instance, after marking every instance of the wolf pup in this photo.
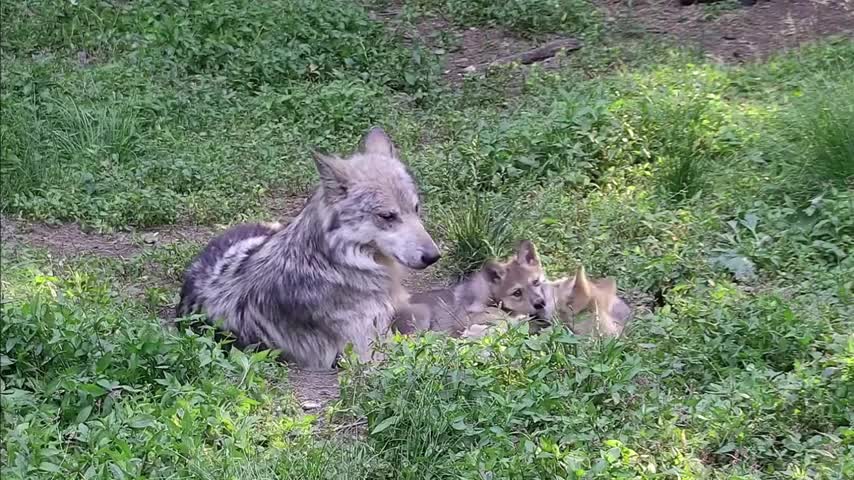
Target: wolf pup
(587, 307)
(514, 287)
(332, 276)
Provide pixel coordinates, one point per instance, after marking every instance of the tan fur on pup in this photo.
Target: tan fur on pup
(587, 307)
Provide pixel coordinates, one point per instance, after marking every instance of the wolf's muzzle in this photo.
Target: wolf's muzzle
(430, 258)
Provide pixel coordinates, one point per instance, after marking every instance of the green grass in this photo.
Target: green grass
(478, 233)
(821, 125)
(135, 138)
(720, 196)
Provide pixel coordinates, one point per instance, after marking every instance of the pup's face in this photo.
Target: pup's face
(517, 285)
(375, 203)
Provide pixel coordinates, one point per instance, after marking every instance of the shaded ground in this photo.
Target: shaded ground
(314, 389)
(69, 240)
(726, 32)
(465, 50)
(733, 34)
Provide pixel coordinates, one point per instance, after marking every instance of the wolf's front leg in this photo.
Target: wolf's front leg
(361, 333)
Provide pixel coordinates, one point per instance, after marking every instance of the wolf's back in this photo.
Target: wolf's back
(204, 267)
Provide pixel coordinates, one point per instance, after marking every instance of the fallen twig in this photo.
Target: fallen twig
(538, 54)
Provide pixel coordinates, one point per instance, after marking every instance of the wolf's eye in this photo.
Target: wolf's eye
(387, 216)
(536, 283)
(417, 208)
(517, 293)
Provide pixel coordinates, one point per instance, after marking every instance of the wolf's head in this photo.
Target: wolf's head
(374, 202)
(517, 285)
(578, 300)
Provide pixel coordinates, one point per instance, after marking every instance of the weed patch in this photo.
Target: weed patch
(524, 16)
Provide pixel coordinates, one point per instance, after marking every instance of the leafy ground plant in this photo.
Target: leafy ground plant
(98, 391)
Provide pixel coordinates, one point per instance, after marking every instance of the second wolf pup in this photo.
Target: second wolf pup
(515, 287)
(587, 307)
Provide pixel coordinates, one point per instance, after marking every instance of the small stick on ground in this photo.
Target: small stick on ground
(538, 54)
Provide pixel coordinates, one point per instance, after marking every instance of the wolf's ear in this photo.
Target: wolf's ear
(526, 254)
(333, 177)
(494, 271)
(377, 142)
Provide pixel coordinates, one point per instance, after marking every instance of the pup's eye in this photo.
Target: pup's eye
(517, 293)
(387, 216)
(536, 283)
(417, 208)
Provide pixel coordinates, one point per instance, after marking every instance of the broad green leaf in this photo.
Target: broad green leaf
(385, 424)
(142, 421)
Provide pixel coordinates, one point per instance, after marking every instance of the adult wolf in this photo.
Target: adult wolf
(331, 277)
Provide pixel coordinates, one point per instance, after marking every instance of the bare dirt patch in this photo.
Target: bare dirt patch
(739, 34)
(284, 206)
(69, 240)
(314, 390)
(465, 51)
(726, 33)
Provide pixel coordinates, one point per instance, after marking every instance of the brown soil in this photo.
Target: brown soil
(314, 389)
(733, 35)
(742, 33)
(69, 240)
(466, 51)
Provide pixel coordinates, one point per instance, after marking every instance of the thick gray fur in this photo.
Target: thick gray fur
(332, 276)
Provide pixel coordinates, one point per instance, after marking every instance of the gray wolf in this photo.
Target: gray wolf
(587, 307)
(514, 286)
(329, 278)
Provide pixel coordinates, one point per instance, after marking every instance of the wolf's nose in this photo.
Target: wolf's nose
(540, 304)
(430, 258)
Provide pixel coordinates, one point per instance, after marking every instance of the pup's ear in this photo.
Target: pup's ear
(377, 142)
(582, 287)
(494, 271)
(333, 177)
(564, 286)
(526, 254)
(605, 293)
(607, 287)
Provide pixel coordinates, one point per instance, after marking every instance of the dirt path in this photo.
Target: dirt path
(725, 32)
(69, 240)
